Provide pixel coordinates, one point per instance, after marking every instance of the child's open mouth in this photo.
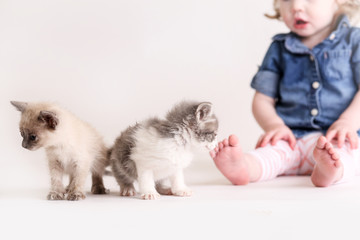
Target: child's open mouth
(299, 23)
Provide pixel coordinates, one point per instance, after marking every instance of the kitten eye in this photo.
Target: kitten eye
(32, 137)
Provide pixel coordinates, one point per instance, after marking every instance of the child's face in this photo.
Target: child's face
(309, 18)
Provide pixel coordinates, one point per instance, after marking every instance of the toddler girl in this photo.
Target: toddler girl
(307, 99)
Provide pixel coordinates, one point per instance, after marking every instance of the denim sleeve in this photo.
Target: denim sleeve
(356, 56)
(266, 80)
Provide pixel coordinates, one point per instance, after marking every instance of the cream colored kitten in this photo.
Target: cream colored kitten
(72, 146)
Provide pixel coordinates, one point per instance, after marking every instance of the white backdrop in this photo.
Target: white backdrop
(114, 62)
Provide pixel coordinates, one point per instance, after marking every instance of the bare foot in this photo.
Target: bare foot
(230, 160)
(328, 168)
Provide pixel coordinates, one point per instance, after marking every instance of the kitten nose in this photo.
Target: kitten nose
(25, 145)
(212, 145)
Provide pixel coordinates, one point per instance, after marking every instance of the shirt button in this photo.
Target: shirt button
(332, 36)
(314, 112)
(311, 57)
(315, 85)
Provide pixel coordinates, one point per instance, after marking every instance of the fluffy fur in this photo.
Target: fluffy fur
(72, 146)
(159, 149)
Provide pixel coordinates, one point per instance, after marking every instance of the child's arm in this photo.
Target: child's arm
(263, 108)
(347, 125)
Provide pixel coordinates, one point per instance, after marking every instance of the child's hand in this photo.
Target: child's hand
(276, 133)
(341, 130)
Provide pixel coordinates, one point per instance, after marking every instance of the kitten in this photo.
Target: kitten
(72, 146)
(155, 150)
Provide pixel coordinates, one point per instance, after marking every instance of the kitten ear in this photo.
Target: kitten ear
(203, 110)
(49, 118)
(20, 106)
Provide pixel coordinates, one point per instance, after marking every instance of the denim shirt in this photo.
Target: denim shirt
(311, 87)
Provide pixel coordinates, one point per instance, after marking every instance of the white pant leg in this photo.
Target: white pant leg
(276, 160)
(306, 145)
(282, 160)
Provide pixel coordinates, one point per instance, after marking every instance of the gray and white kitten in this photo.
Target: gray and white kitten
(156, 149)
(72, 146)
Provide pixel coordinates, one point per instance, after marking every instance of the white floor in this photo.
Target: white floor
(285, 208)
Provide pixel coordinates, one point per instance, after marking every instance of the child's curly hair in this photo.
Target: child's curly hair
(351, 8)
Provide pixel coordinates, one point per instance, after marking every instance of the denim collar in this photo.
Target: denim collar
(294, 44)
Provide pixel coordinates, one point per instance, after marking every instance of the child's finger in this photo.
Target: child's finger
(266, 139)
(292, 141)
(276, 138)
(330, 135)
(353, 139)
(341, 136)
(259, 141)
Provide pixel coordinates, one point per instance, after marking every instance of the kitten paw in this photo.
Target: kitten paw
(75, 196)
(128, 192)
(164, 191)
(99, 189)
(150, 196)
(186, 192)
(55, 196)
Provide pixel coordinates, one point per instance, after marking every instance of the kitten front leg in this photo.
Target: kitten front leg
(125, 182)
(127, 190)
(71, 178)
(57, 191)
(97, 186)
(97, 172)
(147, 185)
(178, 186)
(78, 177)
